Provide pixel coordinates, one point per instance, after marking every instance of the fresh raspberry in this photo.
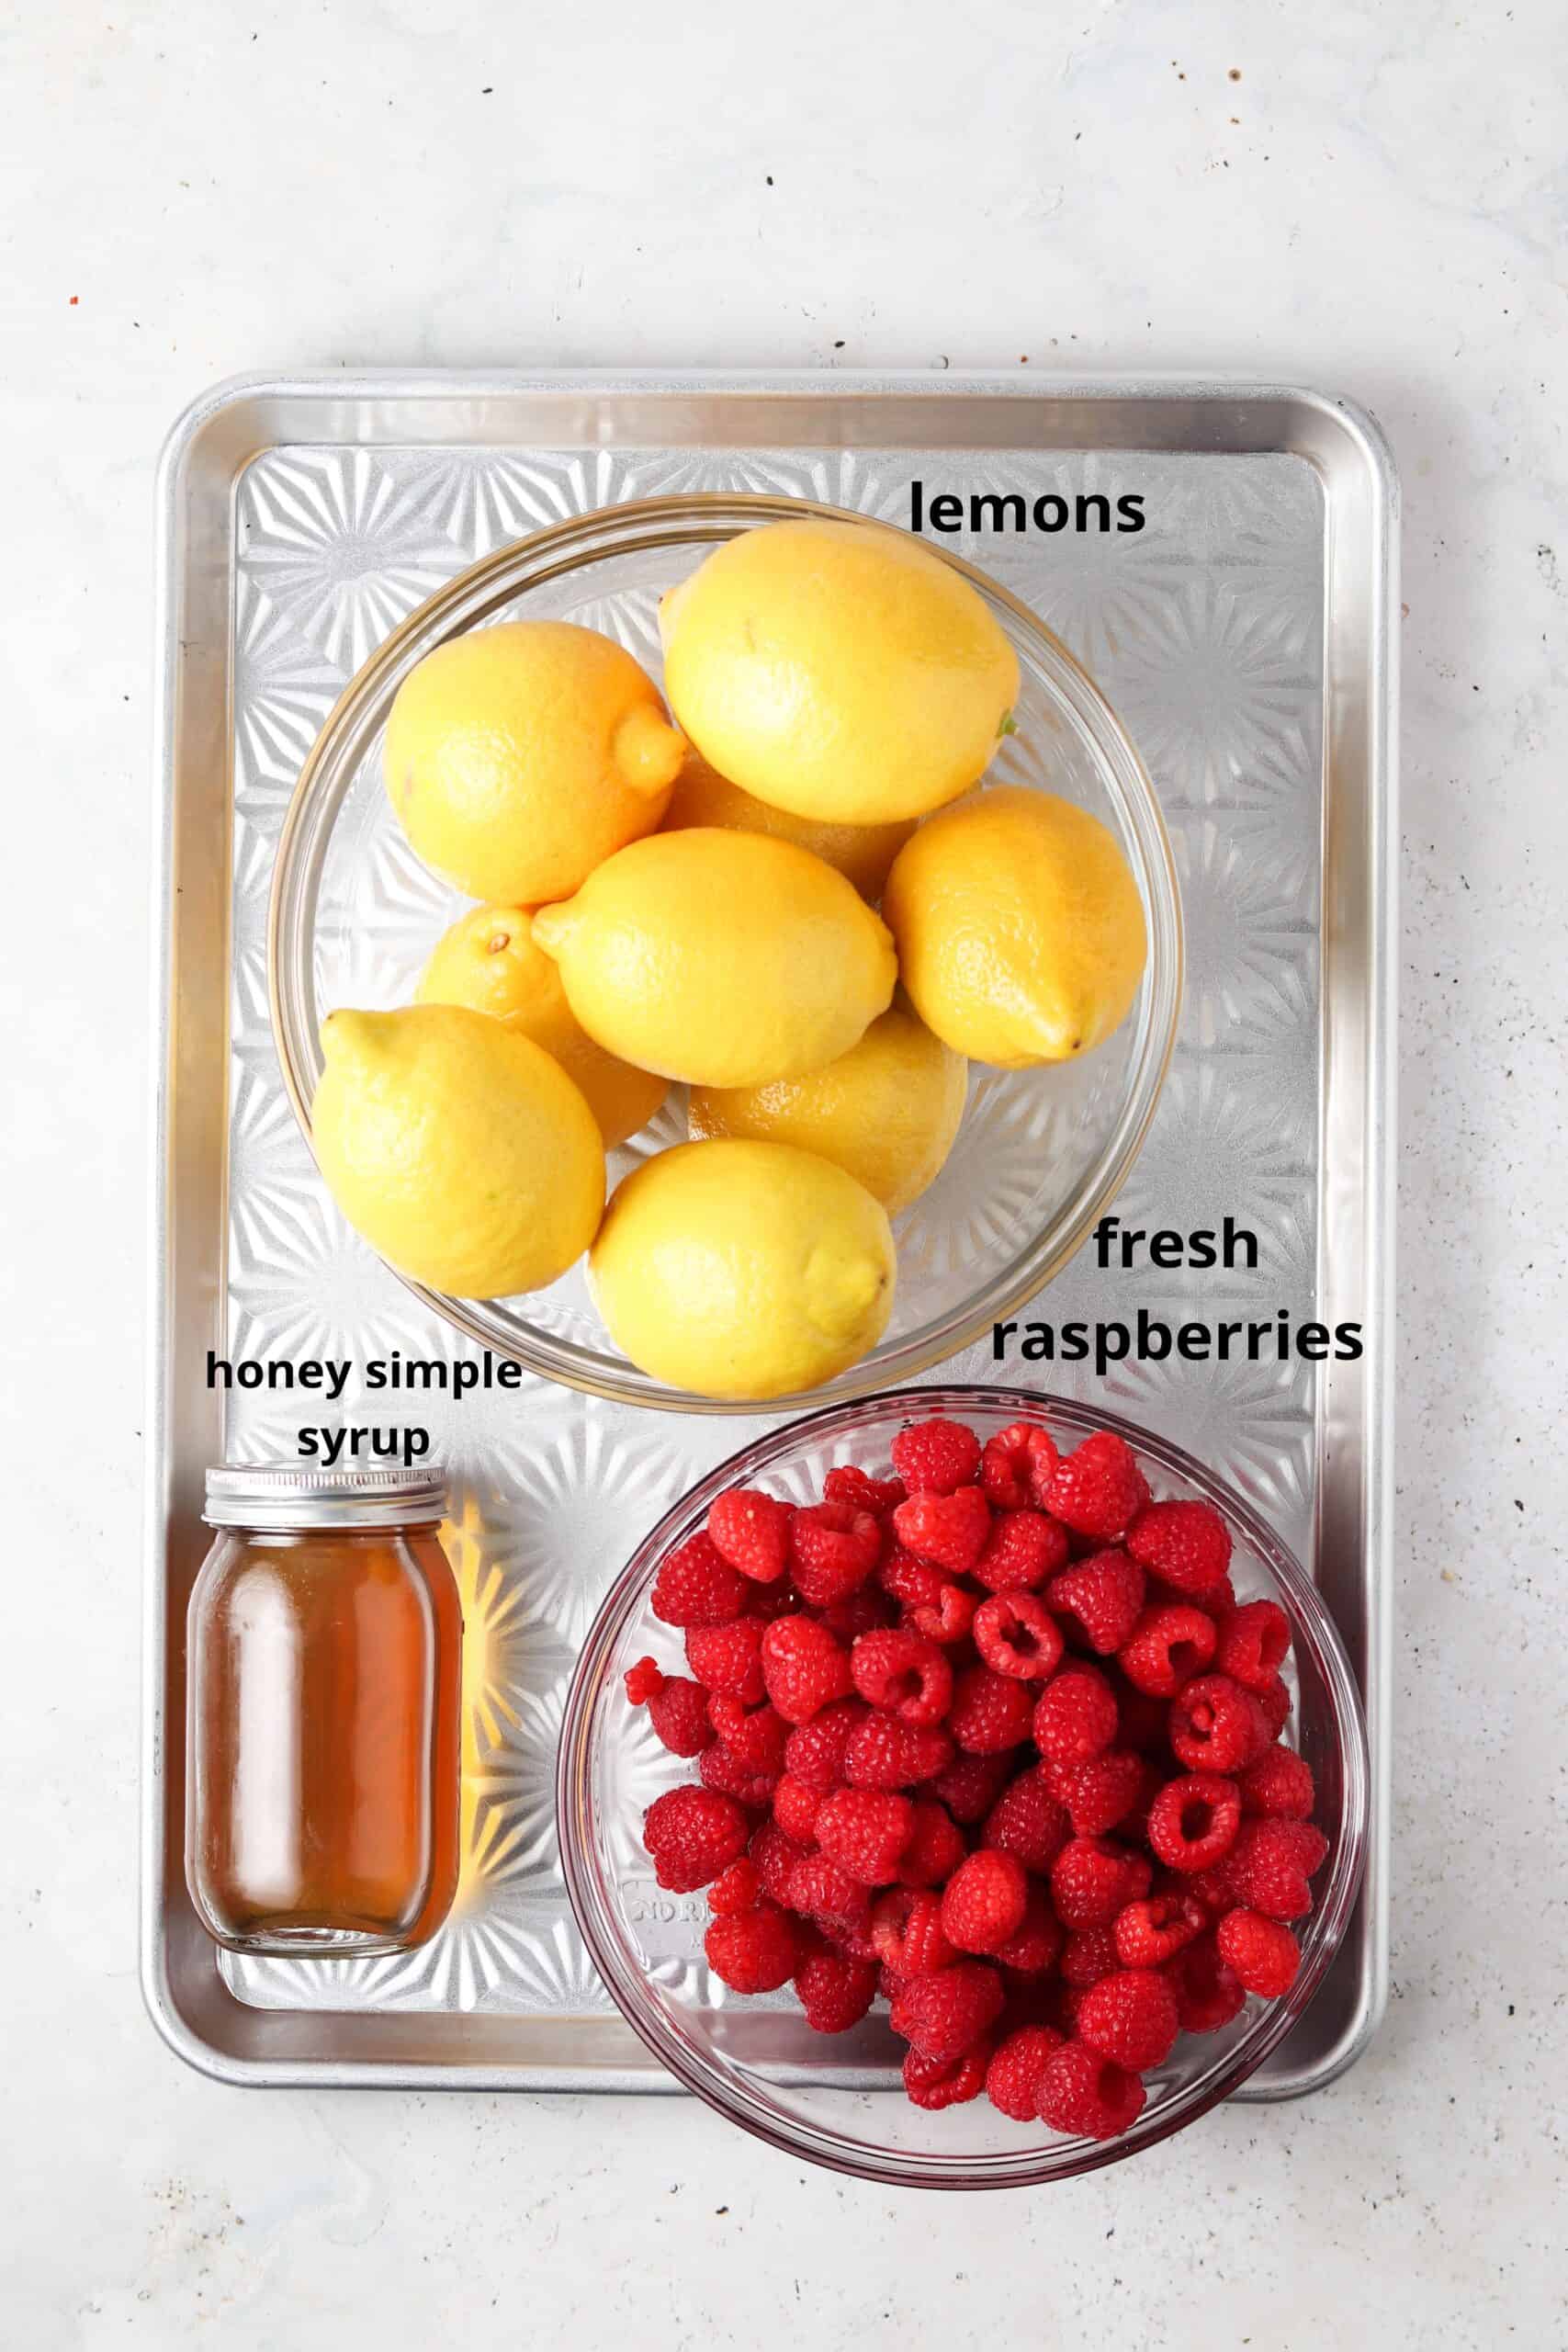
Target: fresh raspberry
(1264, 1954)
(833, 1549)
(1171, 1642)
(1271, 1863)
(984, 1901)
(1087, 1954)
(751, 1531)
(1186, 1545)
(1102, 1595)
(936, 1458)
(1208, 1991)
(847, 1483)
(1133, 1825)
(883, 1753)
(1028, 1821)
(1129, 2017)
(1098, 1488)
(948, 1619)
(766, 1601)
(1035, 1946)
(866, 1831)
(1279, 1783)
(834, 1990)
(930, 2086)
(935, 1849)
(1018, 1465)
(1103, 1793)
(717, 1768)
(907, 1676)
(888, 1985)
(914, 1582)
(1087, 2095)
(804, 1669)
(1075, 1717)
(1141, 1719)
(1194, 1821)
(948, 1530)
(795, 1808)
(1153, 1932)
(907, 1929)
(677, 1708)
(775, 1855)
(814, 1751)
(867, 1610)
(1216, 1726)
(644, 1682)
(971, 1785)
(1015, 1633)
(1091, 1880)
(697, 1586)
(990, 1712)
(1212, 1890)
(755, 1736)
(1274, 1705)
(1255, 1642)
(821, 1889)
(727, 1659)
(944, 2015)
(739, 1888)
(691, 1834)
(1012, 2078)
(753, 1953)
(1023, 1549)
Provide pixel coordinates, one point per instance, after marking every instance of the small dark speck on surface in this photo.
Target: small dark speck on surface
(840, 344)
(770, 179)
(721, 2208)
(489, 90)
(1510, 2008)
(1235, 73)
(1517, 1506)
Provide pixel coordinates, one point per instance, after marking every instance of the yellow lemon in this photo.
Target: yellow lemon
(742, 1269)
(517, 757)
(488, 960)
(887, 1111)
(840, 671)
(1019, 928)
(861, 854)
(725, 958)
(457, 1148)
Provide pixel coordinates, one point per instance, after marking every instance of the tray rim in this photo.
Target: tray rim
(1227, 415)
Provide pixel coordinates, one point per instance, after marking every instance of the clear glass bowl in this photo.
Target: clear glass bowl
(839, 2100)
(1041, 1153)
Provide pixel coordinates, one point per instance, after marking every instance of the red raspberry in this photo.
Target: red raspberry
(866, 1831)
(717, 1768)
(739, 1888)
(948, 1619)
(753, 1953)
(883, 1753)
(814, 1751)
(914, 1582)
(1194, 1821)
(971, 1785)
(908, 1676)
(1076, 1717)
(1103, 1596)
(1153, 1932)
(795, 1808)
(751, 1531)
(984, 1901)
(906, 1928)
(691, 1834)
(935, 1849)
(833, 1549)
(1255, 1642)
(823, 1890)
(1274, 1705)
(804, 1669)
(1087, 2095)
(990, 1712)
(1264, 1954)
(1012, 2078)
(1212, 1890)
(1216, 1726)
(834, 1990)
(930, 2086)
(1091, 1880)
(1131, 2019)
(1279, 1784)
(697, 1586)
(1087, 1955)
(936, 1458)
(1100, 1793)
(1171, 1642)
(847, 1483)
(1018, 1465)
(677, 1708)
(644, 1682)
(944, 2015)
(1016, 1634)
(1098, 1487)
(1271, 1863)
(948, 1530)
(1028, 1821)
(1208, 1991)
(755, 1736)
(869, 1611)
(1186, 1545)
(1035, 1944)
(775, 1855)
(1023, 1548)
(727, 1659)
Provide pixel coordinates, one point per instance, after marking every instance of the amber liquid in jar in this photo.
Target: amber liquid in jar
(324, 1740)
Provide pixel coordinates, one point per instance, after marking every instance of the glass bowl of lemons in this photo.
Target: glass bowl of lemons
(723, 952)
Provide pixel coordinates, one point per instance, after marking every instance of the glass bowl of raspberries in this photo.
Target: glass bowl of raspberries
(963, 1788)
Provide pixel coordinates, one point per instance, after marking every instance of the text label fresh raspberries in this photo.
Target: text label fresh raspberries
(991, 1740)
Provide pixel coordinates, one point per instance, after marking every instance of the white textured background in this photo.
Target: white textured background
(1377, 205)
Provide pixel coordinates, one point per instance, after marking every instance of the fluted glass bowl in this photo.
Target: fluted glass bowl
(1041, 1153)
(838, 2100)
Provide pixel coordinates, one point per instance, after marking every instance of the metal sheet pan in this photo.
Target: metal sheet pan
(1246, 638)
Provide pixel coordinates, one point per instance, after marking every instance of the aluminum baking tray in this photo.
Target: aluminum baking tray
(1243, 636)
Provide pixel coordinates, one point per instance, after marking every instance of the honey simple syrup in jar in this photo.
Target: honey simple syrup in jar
(322, 1712)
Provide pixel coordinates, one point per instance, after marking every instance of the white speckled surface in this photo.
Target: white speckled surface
(293, 186)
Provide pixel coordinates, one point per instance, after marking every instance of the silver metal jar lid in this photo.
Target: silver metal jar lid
(251, 1493)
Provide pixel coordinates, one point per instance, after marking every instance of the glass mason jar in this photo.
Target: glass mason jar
(322, 1712)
